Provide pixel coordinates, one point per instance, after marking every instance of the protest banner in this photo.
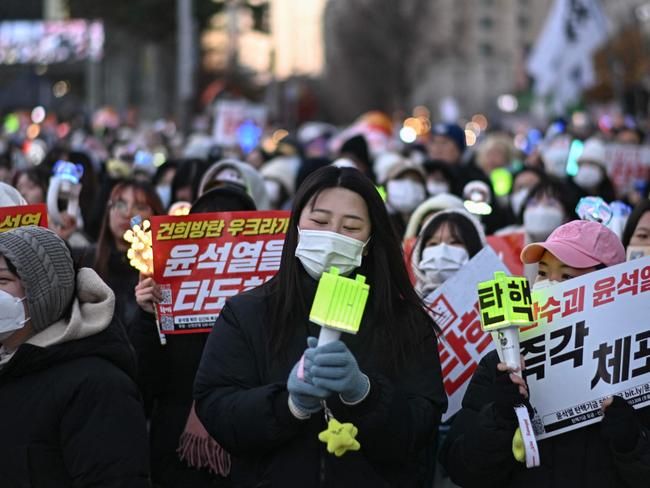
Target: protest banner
(591, 340)
(454, 307)
(627, 163)
(229, 115)
(200, 260)
(22, 215)
(508, 247)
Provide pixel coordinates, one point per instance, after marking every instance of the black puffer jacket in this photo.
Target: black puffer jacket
(242, 396)
(171, 370)
(478, 451)
(71, 415)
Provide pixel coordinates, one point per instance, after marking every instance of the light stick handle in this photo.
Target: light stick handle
(509, 340)
(328, 335)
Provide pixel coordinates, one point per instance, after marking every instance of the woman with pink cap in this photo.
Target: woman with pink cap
(612, 453)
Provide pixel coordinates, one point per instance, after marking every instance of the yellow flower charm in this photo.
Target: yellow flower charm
(339, 438)
(140, 253)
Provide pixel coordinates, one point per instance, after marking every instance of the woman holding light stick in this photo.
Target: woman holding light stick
(386, 380)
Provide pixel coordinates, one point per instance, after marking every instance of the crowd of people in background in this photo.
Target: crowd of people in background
(423, 210)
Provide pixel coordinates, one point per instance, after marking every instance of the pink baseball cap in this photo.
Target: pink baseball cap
(579, 244)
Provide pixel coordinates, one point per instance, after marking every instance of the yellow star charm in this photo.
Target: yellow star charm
(518, 448)
(340, 438)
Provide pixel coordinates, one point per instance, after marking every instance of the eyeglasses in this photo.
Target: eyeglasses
(137, 208)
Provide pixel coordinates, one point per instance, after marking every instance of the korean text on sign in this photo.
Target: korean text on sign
(455, 308)
(591, 340)
(23, 215)
(201, 260)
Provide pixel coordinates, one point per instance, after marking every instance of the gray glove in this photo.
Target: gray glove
(336, 369)
(304, 396)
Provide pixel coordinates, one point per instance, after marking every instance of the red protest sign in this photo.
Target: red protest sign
(201, 260)
(508, 247)
(22, 215)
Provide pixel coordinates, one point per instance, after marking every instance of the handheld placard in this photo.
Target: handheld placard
(506, 305)
(338, 305)
(65, 184)
(140, 255)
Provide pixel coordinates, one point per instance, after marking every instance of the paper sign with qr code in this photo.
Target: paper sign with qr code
(23, 215)
(201, 260)
(454, 307)
(591, 341)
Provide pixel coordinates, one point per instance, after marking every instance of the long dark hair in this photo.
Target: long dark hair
(633, 220)
(396, 307)
(144, 192)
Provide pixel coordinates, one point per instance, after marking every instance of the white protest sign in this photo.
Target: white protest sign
(627, 163)
(229, 115)
(592, 340)
(454, 307)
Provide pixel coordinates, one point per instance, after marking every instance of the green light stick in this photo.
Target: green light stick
(338, 305)
(506, 305)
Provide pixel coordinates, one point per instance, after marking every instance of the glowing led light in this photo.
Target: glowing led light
(38, 115)
(408, 134)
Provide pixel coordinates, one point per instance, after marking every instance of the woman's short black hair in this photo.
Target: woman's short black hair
(188, 173)
(554, 188)
(633, 220)
(438, 166)
(226, 198)
(529, 169)
(460, 227)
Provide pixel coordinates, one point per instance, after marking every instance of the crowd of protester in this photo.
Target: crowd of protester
(90, 397)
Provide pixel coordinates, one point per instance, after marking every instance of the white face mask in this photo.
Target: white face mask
(543, 284)
(588, 176)
(437, 187)
(404, 195)
(541, 220)
(12, 314)
(319, 250)
(441, 262)
(517, 200)
(636, 252)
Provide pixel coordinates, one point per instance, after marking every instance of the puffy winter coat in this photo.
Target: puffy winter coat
(241, 395)
(478, 451)
(70, 412)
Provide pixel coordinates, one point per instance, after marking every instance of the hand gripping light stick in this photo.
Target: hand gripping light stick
(338, 307)
(506, 305)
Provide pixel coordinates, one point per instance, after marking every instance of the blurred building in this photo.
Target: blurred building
(284, 40)
(297, 31)
(483, 47)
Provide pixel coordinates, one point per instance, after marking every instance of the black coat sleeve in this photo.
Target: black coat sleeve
(400, 416)
(634, 467)
(478, 450)
(103, 432)
(244, 415)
